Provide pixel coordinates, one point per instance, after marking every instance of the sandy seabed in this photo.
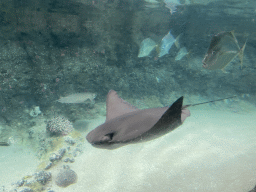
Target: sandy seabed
(212, 151)
(15, 163)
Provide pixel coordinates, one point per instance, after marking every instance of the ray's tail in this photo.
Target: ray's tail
(190, 105)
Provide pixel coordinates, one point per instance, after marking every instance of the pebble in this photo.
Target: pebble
(71, 160)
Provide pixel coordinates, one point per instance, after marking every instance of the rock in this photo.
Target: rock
(77, 151)
(62, 151)
(35, 111)
(71, 160)
(43, 177)
(66, 177)
(57, 156)
(48, 166)
(70, 140)
(20, 183)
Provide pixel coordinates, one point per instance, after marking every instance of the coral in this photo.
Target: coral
(70, 140)
(43, 177)
(66, 177)
(57, 156)
(35, 111)
(59, 125)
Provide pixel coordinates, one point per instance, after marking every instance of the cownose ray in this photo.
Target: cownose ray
(126, 124)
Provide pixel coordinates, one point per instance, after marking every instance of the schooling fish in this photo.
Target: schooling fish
(146, 46)
(223, 49)
(166, 44)
(126, 124)
(182, 53)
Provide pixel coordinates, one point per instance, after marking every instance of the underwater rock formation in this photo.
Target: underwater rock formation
(66, 177)
(43, 177)
(57, 156)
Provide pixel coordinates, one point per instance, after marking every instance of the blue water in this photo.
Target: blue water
(52, 49)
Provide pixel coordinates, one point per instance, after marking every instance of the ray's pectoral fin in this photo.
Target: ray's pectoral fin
(173, 112)
(170, 120)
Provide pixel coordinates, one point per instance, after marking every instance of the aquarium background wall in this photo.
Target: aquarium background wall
(55, 48)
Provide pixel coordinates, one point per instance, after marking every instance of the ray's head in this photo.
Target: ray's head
(103, 140)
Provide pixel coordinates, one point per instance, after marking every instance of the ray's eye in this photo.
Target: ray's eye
(108, 137)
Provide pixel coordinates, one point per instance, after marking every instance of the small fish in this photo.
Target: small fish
(166, 44)
(182, 52)
(78, 98)
(146, 46)
(223, 49)
(152, 1)
(4, 144)
(171, 5)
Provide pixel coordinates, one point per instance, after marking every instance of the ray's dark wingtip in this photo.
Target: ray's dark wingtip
(181, 98)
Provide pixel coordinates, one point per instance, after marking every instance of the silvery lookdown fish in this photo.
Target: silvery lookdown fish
(223, 49)
(182, 52)
(172, 5)
(146, 46)
(166, 44)
(126, 124)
